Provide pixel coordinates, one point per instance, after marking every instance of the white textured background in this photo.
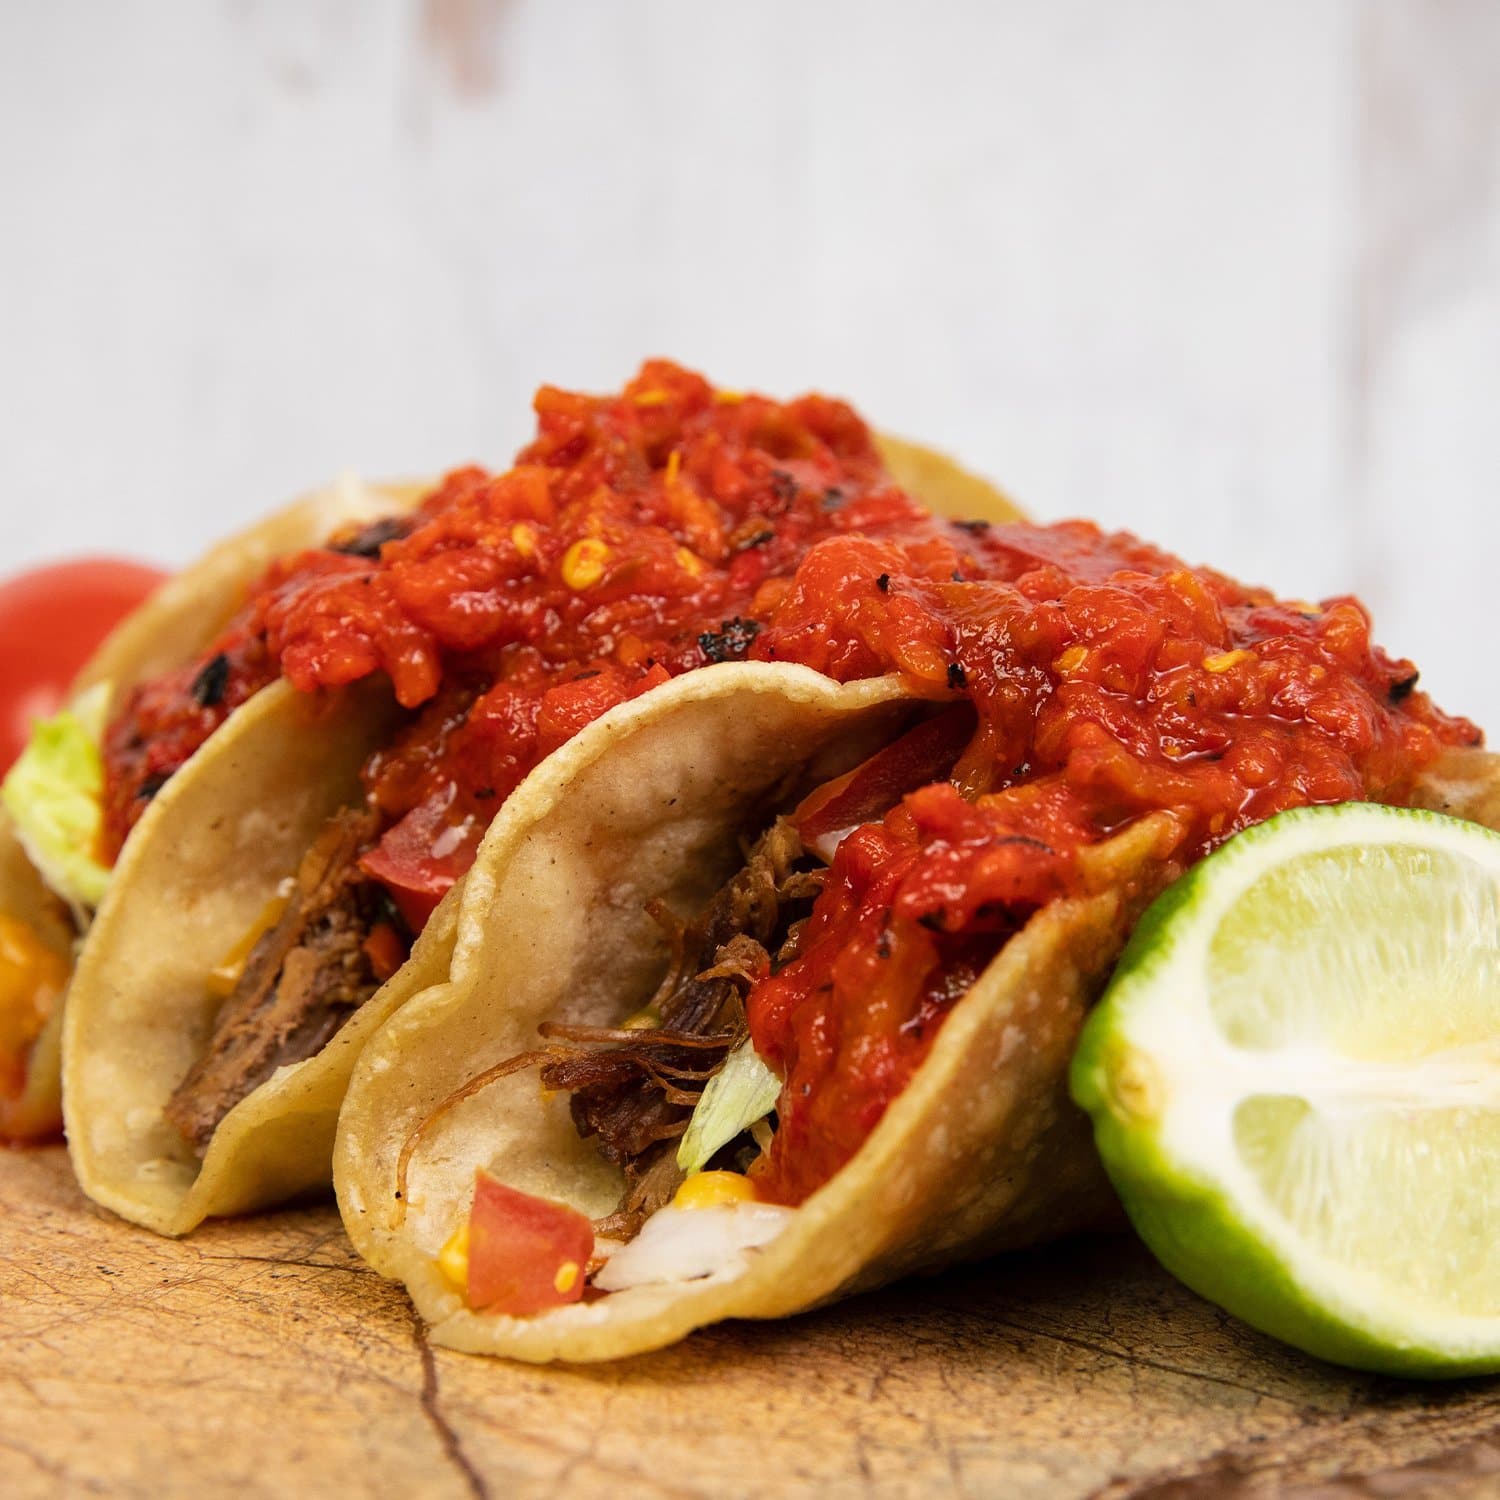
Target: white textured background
(1225, 273)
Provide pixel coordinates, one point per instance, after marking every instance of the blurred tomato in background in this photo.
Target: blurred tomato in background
(52, 619)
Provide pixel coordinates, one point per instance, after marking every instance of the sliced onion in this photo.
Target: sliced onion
(685, 1244)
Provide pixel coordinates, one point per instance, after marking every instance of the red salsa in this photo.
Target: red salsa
(1093, 679)
(1109, 680)
(638, 536)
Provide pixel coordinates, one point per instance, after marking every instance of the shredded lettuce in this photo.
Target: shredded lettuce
(53, 794)
(743, 1091)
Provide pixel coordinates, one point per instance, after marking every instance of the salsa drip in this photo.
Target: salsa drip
(1107, 680)
(638, 536)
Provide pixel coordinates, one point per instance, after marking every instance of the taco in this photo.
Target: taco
(391, 704)
(54, 862)
(723, 1038)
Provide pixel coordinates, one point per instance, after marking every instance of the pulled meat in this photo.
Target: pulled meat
(302, 980)
(635, 1087)
(634, 1090)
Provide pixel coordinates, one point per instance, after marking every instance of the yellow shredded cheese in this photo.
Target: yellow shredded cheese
(225, 974)
(31, 978)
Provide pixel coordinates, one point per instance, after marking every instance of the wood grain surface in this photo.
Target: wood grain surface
(260, 1358)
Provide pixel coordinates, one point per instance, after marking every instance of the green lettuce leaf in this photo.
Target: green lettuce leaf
(53, 794)
(743, 1091)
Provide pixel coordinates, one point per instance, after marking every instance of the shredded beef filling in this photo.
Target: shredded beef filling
(302, 980)
(634, 1090)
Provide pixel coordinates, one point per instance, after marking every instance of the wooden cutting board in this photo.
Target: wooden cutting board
(261, 1358)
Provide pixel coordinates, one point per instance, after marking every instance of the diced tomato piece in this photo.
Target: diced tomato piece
(526, 1254)
(51, 620)
(921, 756)
(420, 858)
(385, 950)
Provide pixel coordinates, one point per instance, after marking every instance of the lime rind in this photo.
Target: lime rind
(1162, 1083)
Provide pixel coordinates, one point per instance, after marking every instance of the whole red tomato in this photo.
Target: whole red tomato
(51, 621)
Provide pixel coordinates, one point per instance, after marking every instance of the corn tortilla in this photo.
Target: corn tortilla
(210, 852)
(177, 621)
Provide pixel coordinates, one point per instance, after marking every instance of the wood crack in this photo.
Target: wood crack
(256, 1366)
(52, 1468)
(292, 1260)
(452, 1444)
(1318, 1462)
(1131, 1358)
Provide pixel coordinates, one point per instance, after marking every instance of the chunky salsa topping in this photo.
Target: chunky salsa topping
(639, 535)
(1107, 681)
(1080, 681)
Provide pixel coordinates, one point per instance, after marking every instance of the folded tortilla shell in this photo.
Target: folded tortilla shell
(943, 485)
(197, 871)
(167, 630)
(982, 1152)
(192, 606)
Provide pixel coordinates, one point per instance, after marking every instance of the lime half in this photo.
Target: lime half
(1294, 1079)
